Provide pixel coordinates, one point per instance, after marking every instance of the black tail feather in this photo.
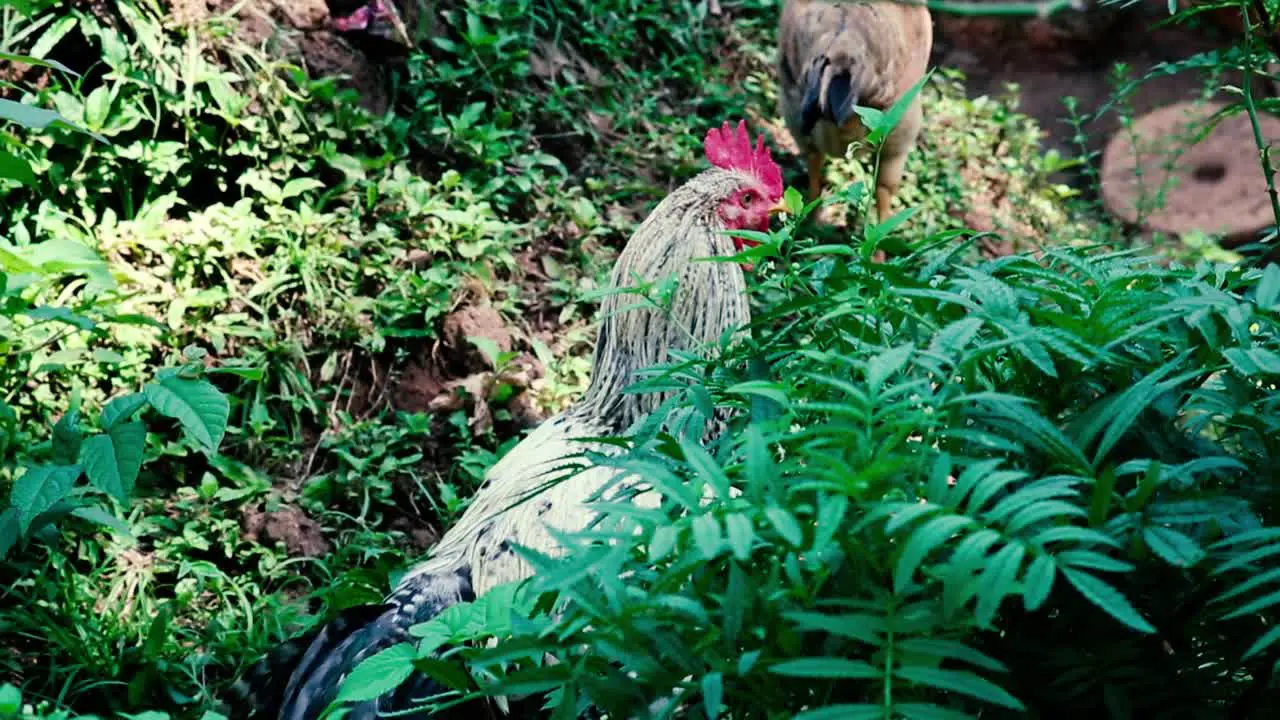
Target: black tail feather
(300, 678)
(837, 105)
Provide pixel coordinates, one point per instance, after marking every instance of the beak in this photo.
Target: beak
(778, 207)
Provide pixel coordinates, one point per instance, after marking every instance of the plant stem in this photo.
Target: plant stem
(1264, 149)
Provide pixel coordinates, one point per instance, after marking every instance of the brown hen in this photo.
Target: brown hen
(835, 55)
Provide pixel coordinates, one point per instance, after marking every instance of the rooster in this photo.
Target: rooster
(741, 191)
(835, 55)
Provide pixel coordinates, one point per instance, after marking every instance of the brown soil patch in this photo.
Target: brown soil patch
(302, 536)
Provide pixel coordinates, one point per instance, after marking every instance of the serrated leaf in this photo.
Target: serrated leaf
(706, 467)
(113, 459)
(1172, 546)
(1108, 599)
(924, 540)
(827, 667)
(39, 489)
(864, 628)
(951, 650)
(997, 581)
(199, 406)
(962, 682)
(378, 673)
(881, 367)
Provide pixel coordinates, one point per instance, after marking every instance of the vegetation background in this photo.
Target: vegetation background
(263, 330)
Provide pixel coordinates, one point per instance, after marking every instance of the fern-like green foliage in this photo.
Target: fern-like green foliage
(1039, 484)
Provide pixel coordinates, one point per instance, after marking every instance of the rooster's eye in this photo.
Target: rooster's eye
(747, 199)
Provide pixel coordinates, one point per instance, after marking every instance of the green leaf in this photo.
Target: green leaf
(827, 667)
(1268, 291)
(951, 650)
(379, 673)
(962, 682)
(849, 711)
(67, 438)
(663, 542)
(297, 186)
(997, 581)
(924, 540)
(760, 388)
(706, 467)
(863, 628)
(881, 367)
(712, 694)
(121, 408)
(886, 122)
(785, 523)
(10, 700)
(30, 60)
(10, 530)
(113, 459)
(99, 516)
(16, 168)
(1268, 639)
(707, 535)
(1107, 599)
(1172, 546)
(35, 118)
(923, 711)
(1038, 582)
(39, 489)
(742, 535)
(197, 404)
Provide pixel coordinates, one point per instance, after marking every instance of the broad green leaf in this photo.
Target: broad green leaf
(1268, 292)
(39, 489)
(962, 682)
(297, 186)
(10, 699)
(1108, 599)
(197, 404)
(827, 667)
(10, 530)
(35, 118)
(1172, 546)
(113, 459)
(379, 673)
(121, 409)
(16, 168)
(67, 437)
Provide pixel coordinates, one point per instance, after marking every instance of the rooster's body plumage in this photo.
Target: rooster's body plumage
(522, 494)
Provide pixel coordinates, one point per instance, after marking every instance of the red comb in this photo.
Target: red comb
(732, 151)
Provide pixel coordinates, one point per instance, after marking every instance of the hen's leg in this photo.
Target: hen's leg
(893, 160)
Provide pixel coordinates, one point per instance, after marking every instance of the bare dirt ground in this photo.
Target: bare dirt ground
(1073, 54)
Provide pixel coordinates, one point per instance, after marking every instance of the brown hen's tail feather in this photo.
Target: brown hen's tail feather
(829, 94)
(301, 677)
